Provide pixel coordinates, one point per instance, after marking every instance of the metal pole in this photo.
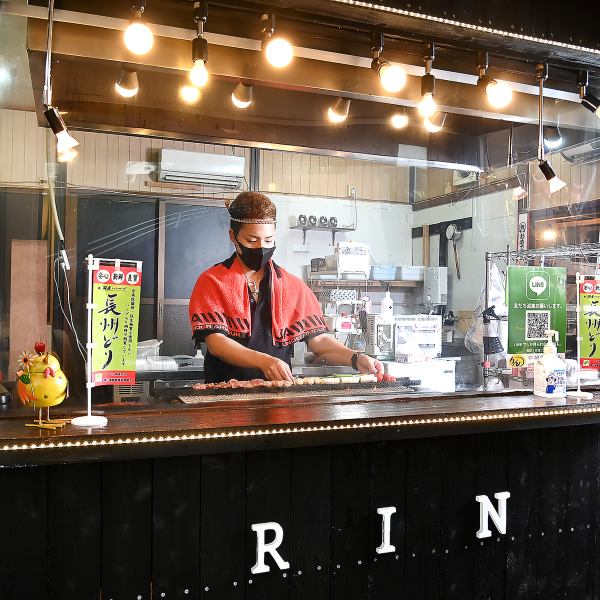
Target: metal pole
(47, 94)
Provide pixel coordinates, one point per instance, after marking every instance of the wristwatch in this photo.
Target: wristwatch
(354, 360)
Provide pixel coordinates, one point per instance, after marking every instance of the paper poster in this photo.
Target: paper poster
(589, 324)
(116, 297)
(537, 302)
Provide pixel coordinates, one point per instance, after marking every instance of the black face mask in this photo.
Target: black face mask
(255, 258)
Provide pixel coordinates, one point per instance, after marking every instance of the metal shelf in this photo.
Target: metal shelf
(370, 283)
(332, 230)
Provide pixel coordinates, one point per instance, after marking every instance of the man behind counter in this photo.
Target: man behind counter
(250, 311)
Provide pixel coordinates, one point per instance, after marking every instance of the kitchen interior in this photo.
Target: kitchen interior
(386, 214)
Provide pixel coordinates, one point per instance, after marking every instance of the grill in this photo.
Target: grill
(295, 391)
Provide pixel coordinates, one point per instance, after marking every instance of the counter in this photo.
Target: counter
(162, 502)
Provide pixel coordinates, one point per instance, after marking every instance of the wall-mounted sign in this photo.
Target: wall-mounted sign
(116, 300)
(523, 232)
(589, 324)
(537, 301)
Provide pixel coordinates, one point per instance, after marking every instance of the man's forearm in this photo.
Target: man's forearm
(330, 350)
(232, 353)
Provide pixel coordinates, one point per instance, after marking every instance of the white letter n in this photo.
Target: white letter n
(486, 509)
(271, 547)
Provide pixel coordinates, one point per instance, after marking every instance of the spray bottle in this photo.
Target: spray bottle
(549, 375)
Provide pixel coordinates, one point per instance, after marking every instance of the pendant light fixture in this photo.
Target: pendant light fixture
(499, 94)
(190, 94)
(198, 72)
(591, 102)
(242, 95)
(555, 184)
(399, 120)
(392, 77)
(138, 37)
(338, 112)
(127, 86)
(435, 123)
(278, 50)
(427, 106)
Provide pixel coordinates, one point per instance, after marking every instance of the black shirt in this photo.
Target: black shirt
(261, 340)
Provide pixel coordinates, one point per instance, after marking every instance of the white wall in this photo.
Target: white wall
(494, 226)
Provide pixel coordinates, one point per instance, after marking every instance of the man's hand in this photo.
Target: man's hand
(275, 369)
(366, 364)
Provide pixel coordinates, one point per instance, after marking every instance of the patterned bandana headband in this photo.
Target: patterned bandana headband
(255, 221)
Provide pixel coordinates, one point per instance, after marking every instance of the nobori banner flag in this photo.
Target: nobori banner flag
(589, 324)
(537, 302)
(116, 300)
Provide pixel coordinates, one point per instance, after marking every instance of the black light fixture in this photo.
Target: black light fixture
(339, 110)
(138, 37)
(198, 72)
(499, 94)
(393, 77)
(552, 137)
(65, 143)
(127, 85)
(242, 95)
(427, 106)
(589, 100)
(555, 184)
(278, 50)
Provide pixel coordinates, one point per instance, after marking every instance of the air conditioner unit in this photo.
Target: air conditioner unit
(463, 178)
(217, 170)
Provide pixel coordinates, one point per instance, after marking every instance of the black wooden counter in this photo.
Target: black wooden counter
(177, 521)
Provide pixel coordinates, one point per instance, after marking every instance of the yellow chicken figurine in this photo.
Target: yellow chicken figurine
(42, 384)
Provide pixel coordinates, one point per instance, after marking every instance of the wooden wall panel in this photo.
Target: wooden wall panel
(115, 162)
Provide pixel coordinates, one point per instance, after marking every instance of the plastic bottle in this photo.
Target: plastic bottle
(387, 305)
(549, 374)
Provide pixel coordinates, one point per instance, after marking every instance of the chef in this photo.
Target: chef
(250, 312)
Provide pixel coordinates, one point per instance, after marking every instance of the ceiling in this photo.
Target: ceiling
(332, 59)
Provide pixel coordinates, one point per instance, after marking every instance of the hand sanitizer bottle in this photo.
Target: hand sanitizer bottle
(387, 305)
(549, 374)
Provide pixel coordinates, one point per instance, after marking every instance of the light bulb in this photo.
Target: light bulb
(127, 86)
(427, 106)
(66, 155)
(240, 103)
(125, 92)
(519, 193)
(435, 123)
(393, 77)
(242, 95)
(64, 141)
(549, 235)
(556, 184)
(335, 117)
(189, 93)
(399, 120)
(279, 52)
(199, 74)
(138, 38)
(499, 93)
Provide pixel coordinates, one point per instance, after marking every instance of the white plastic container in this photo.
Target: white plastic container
(549, 372)
(148, 348)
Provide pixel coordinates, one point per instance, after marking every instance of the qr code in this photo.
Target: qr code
(537, 322)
